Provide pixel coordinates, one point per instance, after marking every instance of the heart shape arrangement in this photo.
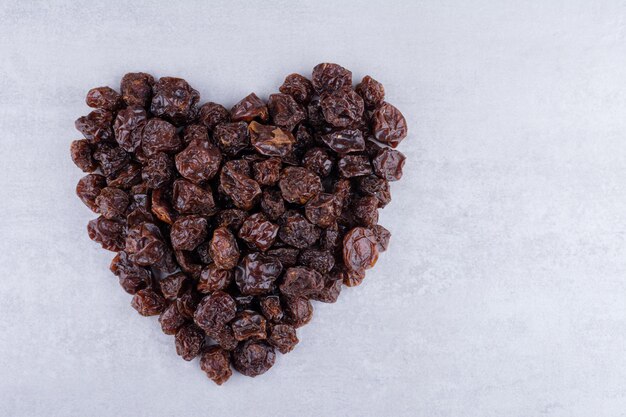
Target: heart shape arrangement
(226, 223)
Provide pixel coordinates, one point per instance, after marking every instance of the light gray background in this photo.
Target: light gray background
(504, 292)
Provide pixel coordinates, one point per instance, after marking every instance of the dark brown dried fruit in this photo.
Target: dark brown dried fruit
(189, 198)
(330, 77)
(88, 189)
(249, 108)
(232, 138)
(388, 164)
(189, 341)
(382, 237)
(253, 358)
(171, 320)
(103, 98)
(372, 92)
(249, 325)
(345, 141)
(159, 136)
(267, 172)
(342, 108)
(298, 311)
(298, 185)
(243, 190)
(298, 182)
(298, 87)
(214, 311)
(199, 162)
(128, 127)
(257, 273)
(318, 161)
(271, 308)
(360, 249)
(188, 232)
(214, 279)
(96, 126)
(354, 166)
(81, 153)
(296, 231)
(174, 100)
(283, 337)
(213, 114)
(389, 125)
(270, 140)
(258, 232)
(215, 362)
(323, 210)
(147, 302)
(224, 249)
(285, 111)
(301, 281)
(112, 202)
(136, 88)
(108, 233)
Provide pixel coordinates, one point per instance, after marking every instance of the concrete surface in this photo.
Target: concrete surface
(504, 292)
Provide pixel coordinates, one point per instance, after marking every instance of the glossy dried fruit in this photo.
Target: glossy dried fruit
(270, 140)
(320, 260)
(301, 281)
(258, 232)
(112, 202)
(88, 189)
(295, 230)
(224, 249)
(283, 337)
(145, 245)
(271, 308)
(213, 114)
(253, 358)
(103, 98)
(318, 161)
(189, 341)
(298, 87)
(215, 362)
(272, 204)
(147, 302)
(189, 198)
(345, 141)
(96, 126)
(174, 100)
(172, 286)
(136, 88)
(249, 108)
(158, 170)
(132, 277)
(256, 274)
(354, 166)
(298, 185)
(365, 211)
(214, 279)
(298, 311)
(243, 190)
(249, 325)
(360, 249)
(342, 108)
(111, 159)
(382, 237)
(372, 92)
(323, 210)
(389, 125)
(388, 164)
(232, 138)
(188, 232)
(82, 155)
(128, 127)
(108, 233)
(214, 311)
(159, 136)
(285, 111)
(267, 172)
(330, 77)
(199, 162)
(171, 320)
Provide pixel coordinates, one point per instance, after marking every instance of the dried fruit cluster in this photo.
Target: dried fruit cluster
(228, 223)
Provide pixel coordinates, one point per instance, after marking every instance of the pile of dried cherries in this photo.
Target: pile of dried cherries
(228, 223)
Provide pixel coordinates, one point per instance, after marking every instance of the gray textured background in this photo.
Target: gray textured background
(504, 290)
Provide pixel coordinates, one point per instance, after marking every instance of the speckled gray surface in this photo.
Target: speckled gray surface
(504, 292)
